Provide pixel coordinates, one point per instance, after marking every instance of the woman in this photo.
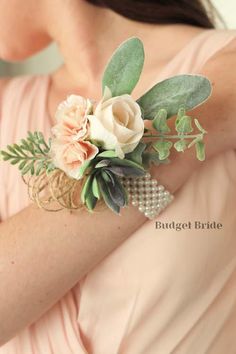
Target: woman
(161, 291)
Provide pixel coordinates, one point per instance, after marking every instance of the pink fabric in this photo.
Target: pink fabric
(162, 291)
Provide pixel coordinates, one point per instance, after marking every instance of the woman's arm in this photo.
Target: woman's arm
(43, 255)
(217, 116)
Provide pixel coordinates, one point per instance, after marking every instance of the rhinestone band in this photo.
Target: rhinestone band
(145, 193)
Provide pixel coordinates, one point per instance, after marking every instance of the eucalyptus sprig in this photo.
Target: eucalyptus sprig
(31, 155)
(162, 143)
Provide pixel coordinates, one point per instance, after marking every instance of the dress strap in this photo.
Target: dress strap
(195, 55)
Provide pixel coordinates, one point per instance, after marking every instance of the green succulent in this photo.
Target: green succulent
(103, 181)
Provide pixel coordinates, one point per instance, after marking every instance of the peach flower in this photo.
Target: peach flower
(72, 120)
(71, 156)
(70, 149)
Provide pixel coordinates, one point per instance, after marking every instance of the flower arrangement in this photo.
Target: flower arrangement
(98, 146)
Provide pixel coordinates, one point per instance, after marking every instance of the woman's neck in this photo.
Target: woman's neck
(87, 35)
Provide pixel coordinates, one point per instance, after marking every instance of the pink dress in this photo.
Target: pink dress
(162, 291)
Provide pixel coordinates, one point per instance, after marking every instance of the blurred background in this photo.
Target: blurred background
(49, 59)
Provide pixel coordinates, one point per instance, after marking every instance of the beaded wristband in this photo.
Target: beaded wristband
(145, 193)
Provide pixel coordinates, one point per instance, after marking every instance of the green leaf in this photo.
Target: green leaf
(184, 125)
(108, 153)
(118, 162)
(19, 150)
(124, 69)
(181, 113)
(95, 188)
(159, 122)
(15, 161)
(86, 188)
(50, 167)
(91, 201)
(125, 162)
(163, 148)
(200, 150)
(5, 155)
(32, 169)
(181, 145)
(26, 169)
(12, 150)
(107, 197)
(126, 171)
(187, 91)
(152, 158)
(84, 168)
(108, 176)
(117, 192)
(22, 164)
(39, 168)
(198, 125)
(194, 141)
(136, 154)
(103, 163)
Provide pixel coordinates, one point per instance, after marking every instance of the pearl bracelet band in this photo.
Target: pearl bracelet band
(150, 197)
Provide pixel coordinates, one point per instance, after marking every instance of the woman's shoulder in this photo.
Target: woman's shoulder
(222, 63)
(220, 69)
(226, 40)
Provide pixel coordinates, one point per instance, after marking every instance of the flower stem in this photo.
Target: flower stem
(173, 136)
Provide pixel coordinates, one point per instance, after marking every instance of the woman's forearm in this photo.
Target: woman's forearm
(43, 255)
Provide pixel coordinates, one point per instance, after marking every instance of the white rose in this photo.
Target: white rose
(117, 124)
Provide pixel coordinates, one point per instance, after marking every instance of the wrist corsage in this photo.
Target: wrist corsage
(101, 153)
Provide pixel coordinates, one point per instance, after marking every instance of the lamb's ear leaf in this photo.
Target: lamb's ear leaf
(188, 91)
(124, 68)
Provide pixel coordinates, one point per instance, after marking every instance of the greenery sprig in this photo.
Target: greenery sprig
(32, 155)
(162, 143)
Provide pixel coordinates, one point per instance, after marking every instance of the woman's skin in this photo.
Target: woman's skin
(43, 255)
